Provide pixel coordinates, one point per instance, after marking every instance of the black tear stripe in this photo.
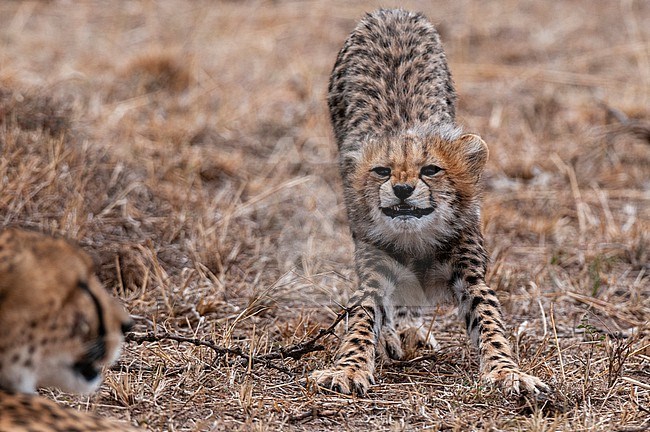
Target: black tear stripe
(101, 330)
(98, 349)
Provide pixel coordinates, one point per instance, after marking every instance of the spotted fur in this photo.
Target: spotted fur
(21, 412)
(412, 184)
(59, 328)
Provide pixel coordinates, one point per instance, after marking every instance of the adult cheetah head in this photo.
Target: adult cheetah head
(59, 326)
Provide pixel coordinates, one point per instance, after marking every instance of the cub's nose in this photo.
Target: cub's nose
(403, 191)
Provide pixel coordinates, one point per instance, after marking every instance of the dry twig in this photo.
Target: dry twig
(295, 351)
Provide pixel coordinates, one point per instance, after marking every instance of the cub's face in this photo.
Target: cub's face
(59, 326)
(415, 190)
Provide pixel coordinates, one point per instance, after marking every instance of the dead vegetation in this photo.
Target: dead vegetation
(186, 146)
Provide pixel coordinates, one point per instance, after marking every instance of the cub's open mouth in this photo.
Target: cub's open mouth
(406, 210)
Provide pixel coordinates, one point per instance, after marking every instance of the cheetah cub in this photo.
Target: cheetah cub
(59, 328)
(412, 182)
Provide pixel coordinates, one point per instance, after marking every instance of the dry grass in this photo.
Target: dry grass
(186, 145)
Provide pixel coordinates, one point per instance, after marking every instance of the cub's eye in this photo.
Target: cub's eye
(381, 171)
(430, 170)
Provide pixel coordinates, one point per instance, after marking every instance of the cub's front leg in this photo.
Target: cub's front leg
(482, 313)
(369, 315)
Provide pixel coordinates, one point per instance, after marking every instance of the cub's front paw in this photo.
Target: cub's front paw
(346, 380)
(513, 381)
(390, 345)
(416, 338)
(406, 343)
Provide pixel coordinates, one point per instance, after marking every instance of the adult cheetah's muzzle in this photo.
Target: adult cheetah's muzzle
(126, 326)
(89, 365)
(86, 369)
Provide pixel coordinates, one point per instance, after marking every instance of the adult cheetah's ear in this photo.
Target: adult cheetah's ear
(474, 153)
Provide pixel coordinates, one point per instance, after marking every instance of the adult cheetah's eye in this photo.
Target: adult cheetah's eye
(381, 171)
(430, 170)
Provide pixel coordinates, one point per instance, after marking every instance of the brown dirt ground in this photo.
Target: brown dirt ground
(186, 145)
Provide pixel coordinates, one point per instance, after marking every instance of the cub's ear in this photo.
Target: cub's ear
(473, 152)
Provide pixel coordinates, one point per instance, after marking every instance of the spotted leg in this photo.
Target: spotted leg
(482, 313)
(354, 364)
